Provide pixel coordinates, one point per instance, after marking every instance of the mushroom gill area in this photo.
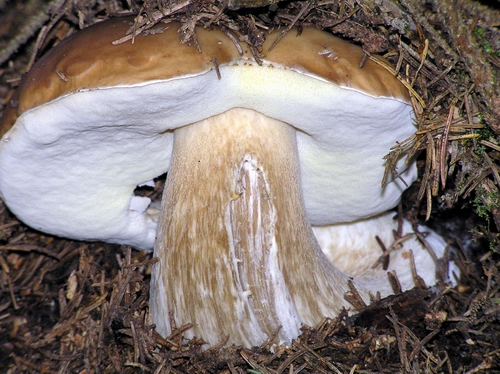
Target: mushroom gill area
(243, 262)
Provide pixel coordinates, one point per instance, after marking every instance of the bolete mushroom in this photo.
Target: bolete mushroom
(256, 152)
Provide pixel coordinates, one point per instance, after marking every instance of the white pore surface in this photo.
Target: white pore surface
(69, 167)
(354, 250)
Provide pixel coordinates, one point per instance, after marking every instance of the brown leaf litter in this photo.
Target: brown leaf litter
(68, 306)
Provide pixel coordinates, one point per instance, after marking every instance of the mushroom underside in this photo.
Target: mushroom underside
(122, 137)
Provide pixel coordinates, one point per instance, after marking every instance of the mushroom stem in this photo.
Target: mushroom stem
(237, 256)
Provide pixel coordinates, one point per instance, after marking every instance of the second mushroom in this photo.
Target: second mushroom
(256, 152)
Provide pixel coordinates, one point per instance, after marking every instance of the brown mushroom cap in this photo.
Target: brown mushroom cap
(98, 63)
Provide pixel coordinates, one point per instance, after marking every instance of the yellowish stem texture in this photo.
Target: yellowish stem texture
(237, 256)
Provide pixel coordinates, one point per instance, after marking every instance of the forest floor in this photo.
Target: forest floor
(69, 306)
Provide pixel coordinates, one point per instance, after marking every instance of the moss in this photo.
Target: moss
(485, 201)
(484, 134)
(487, 47)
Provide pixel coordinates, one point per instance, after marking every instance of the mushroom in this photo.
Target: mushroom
(256, 151)
(368, 249)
